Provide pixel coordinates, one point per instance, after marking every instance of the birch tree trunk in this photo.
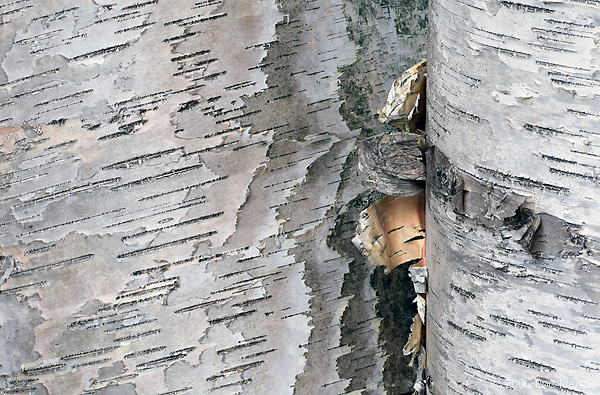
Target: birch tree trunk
(512, 224)
(178, 192)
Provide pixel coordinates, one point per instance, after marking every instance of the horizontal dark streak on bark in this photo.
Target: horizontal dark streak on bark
(43, 369)
(76, 94)
(91, 363)
(166, 245)
(117, 378)
(466, 332)
(53, 265)
(118, 306)
(172, 357)
(140, 159)
(179, 206)
(69, 222)
(239, 382)
(68, 192)
(205, 19)
(29, 77)
(524, 181)
(133, 294)
(139, 5)
(13, 290)
(177, 391)
(179, 224)
(137, 336)
(143, 353)
(89, 353)
(241, 346)
(229, 318)
(185, 188)
(171, 173)
(103, 51)
(199, 306)
(238, 368)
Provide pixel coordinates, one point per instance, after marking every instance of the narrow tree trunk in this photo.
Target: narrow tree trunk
(512, 229)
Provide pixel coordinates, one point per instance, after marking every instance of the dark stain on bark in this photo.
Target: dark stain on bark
(395, 292)
(443, 178)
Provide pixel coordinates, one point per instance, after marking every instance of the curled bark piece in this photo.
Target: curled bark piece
(418, 275)
(406, 99)
(394, 163)
(421, 307)
(413, 344)
(392, 231)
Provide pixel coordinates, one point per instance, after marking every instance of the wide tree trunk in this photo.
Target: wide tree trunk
(179, 192)
(512, 224)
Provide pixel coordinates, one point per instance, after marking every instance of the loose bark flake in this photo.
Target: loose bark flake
(392, 231)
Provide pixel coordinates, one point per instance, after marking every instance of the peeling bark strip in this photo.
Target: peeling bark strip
(164, 210)
(392, 231)
(407, 100)
(512, 200)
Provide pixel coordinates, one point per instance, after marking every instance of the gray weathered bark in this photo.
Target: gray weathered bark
(512, 248)
(179, 190)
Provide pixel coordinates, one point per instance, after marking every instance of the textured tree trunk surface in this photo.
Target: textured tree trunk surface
(512, 225)
(179, 191)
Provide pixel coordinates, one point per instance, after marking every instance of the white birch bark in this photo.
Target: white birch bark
(512, 225)
(171, 175)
